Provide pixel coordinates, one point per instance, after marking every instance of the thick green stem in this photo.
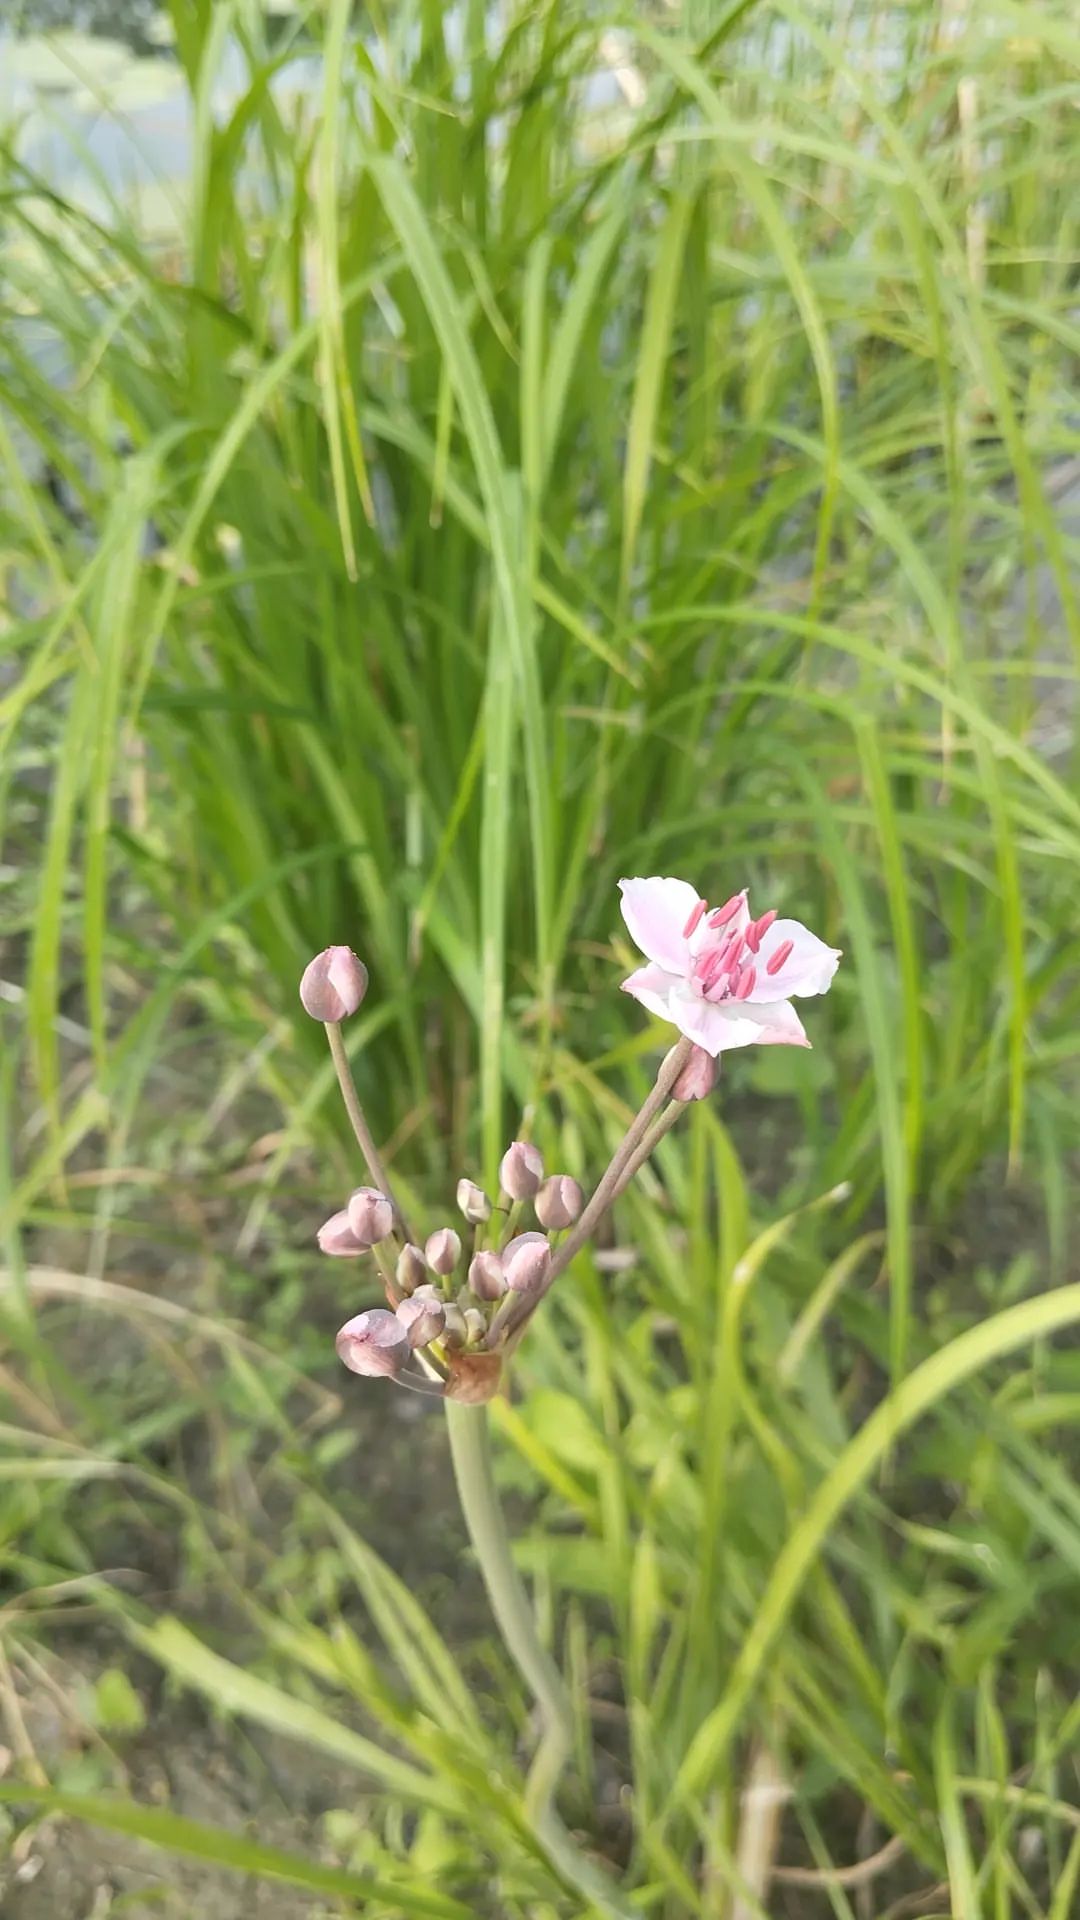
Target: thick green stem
(470, 1448)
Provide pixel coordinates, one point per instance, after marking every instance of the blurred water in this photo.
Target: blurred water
(98, 107)
(135, 21)
(92, 97)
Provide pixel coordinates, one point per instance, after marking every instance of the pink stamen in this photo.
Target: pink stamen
(719, 989)
(757, 927)
(783, 953)
(746, 983)
(711, 966)
(728, 911)
(695, 917)
(731, 949)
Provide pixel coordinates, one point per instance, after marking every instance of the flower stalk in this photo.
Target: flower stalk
(514, 1316)
(457, 1311)
(365, 1139)
(470, 1450)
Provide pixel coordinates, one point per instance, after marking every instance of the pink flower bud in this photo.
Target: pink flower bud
(443, 1250)
(521, 1170)
(423, 1320)
(374, 1343)
(473, 1202)
(526, 1261)
(411, 1269)
(559, 1202)
(371, 1216)
(336, 1236)
(486, 1276)
(475, 1325)
(698, 1077)
(333, 985)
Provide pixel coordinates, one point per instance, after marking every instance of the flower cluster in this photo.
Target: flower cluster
(452, 1300)
(458, 1302)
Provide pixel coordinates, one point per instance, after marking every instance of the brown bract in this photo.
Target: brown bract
(475, 1378)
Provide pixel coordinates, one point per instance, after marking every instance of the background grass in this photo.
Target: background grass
(552, 446)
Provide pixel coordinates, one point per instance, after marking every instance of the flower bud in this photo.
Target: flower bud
(411, 1268)
(443, 1250)
(336, 1236)
(333, 985)
(473, 1202)
(698, 1077)
(455, 1325)
(526, 1261)
(521, 1170)
(559, 1202)
(475, 1325)
(423, 1320)
(374, 1343)
(371, 1216)
(486, 1276)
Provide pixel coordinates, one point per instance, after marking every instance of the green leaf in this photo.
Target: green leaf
(117, 1707)
(190, 1838)
(911, 1401)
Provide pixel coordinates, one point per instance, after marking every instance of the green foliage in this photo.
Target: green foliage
(116, 1705)
(551, 447)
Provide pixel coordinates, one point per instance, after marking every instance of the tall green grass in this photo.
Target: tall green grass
(488, 491)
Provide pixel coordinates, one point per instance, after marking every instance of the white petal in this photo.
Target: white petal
(809, 967)
(777, 1022)
(655, 989)
(656, 911)
(737, 1023)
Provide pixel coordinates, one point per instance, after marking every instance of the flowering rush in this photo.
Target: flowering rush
(458, 1303)
(720, 976)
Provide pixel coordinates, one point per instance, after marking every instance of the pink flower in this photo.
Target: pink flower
(723, 979)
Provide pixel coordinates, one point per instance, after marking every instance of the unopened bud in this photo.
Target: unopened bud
(521, 1170)
(371, 1216)
(559, 1202)
(443, 1250)
(486, 1276)
(336, 1236)
(455, 1325)
(698, 1077)
(411, 1269)
(333, 985)
(374, 1342)
(473, 1202)
(475, 1325)
(423, 1320)
(526, 1262)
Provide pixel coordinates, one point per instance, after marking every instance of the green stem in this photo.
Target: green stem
(470, 1448)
